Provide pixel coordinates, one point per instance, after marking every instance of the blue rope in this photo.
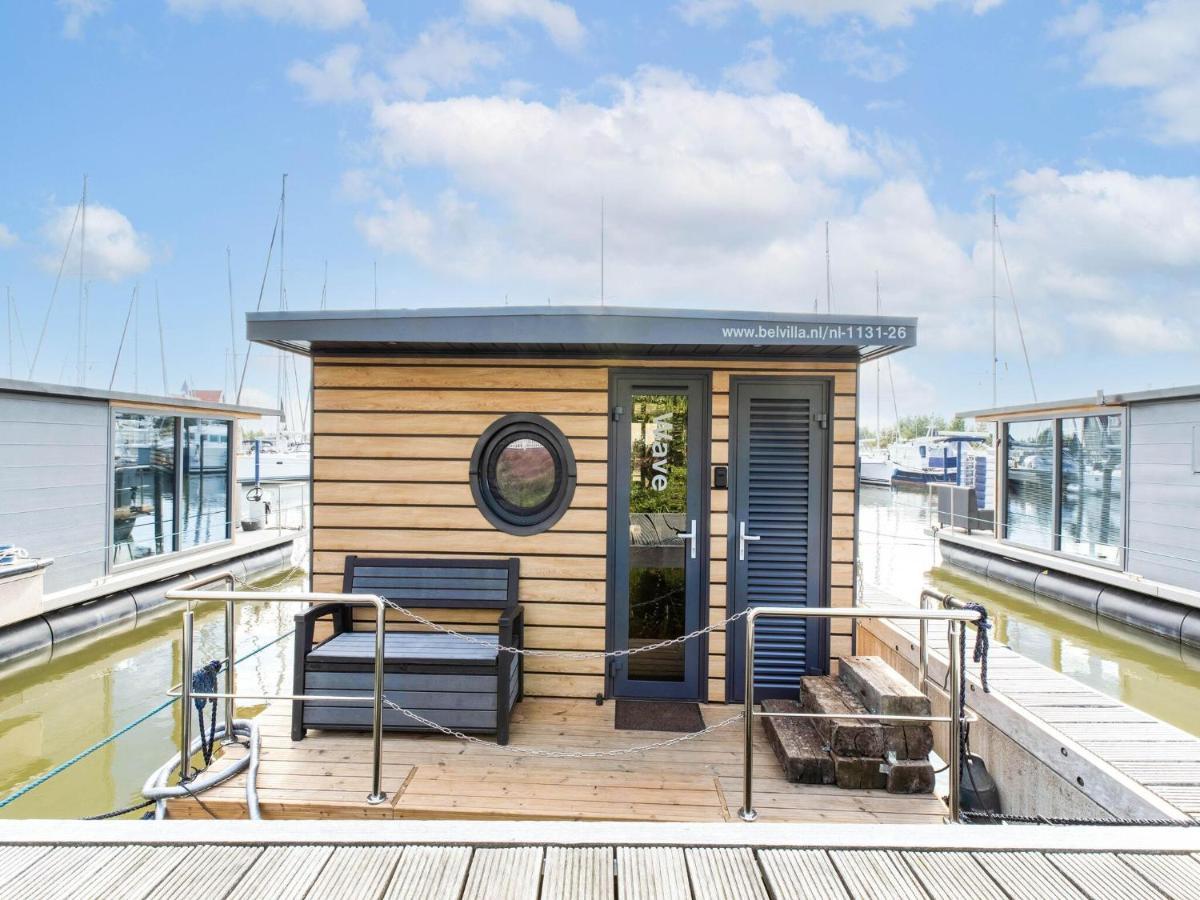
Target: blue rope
(83, 754)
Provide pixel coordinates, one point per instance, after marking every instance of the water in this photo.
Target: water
(1153, 675)
(50, 712)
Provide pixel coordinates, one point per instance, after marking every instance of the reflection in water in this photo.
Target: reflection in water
(1155, 676)
(50, 712)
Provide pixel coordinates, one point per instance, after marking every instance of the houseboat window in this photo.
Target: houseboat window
(657, 513)
(143, 486)
(205, 490)
(522, 474)
(1092, 454)
(1029, 495)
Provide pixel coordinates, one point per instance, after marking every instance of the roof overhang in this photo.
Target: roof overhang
(126, 398)
(582, 331)
(1099, 402)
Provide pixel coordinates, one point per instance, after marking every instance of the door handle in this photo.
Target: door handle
(742, 538)
(690, 537)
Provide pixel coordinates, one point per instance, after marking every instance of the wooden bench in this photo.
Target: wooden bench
(458, 684)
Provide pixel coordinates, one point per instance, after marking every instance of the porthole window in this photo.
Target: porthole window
(522, 474)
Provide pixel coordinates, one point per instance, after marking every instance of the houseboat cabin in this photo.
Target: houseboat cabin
(1097, 505)
(652, 470)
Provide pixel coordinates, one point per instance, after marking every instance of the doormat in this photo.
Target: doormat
(658, 715)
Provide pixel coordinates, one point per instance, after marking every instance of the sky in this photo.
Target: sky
(458, 154)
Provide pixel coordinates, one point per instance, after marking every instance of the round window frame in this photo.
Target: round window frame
(491, 443)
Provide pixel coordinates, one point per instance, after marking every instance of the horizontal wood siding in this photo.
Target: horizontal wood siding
(392, 444)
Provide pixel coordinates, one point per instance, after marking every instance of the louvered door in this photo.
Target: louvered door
(777, 526)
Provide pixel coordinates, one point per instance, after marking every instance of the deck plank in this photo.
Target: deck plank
(362, 872)
(430, 873)
(504, 873)
(1028, 876)
(206, 871)
(282, 872)
(725, 873)
(877, 875)
(652, 873)
(60, 873)
(17, 859)
(953, 875)
(1103, 876)
(801, 875)
(1176, 876)
(578, 873)
(134, 873)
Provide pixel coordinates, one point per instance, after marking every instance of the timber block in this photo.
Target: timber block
(859, 772)
(908, 741)
(845, 737)
(800, 749)
(880, 688)
(909, 776)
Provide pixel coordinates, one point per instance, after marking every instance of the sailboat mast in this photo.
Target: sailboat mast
(601, 249)
(232, 323)
(162, 344)
(828, 273)
(995, 353)
(281, 373)
(82, 343)
(8, 321)
(878, 363)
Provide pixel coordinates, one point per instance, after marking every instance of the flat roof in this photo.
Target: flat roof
(75, 392)
(1100, 398)
(582, 331)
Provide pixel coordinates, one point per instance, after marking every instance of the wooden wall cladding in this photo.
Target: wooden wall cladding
(392, 442)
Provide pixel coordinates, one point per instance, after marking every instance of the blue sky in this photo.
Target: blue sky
(463, 148)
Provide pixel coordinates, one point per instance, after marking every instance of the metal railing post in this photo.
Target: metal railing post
(230, 660)
(185, 729)
(377, 795)
(747, 812)
(923, 641)
(956, 713)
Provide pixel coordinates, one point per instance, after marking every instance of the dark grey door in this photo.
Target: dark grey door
(778, 453)
(657, 532)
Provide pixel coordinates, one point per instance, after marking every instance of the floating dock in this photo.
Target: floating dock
(583, 861)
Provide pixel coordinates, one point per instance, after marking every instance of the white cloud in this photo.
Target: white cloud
(326, 15)
(881, 13)
(1155, 51)
(720, 199)
(712, 13)
(8, 237)
(443, 57)
(758, 71)
(114, 249)
(334, 79)
(77, 12)
(558, 20)
(861, 59)
(1139, 332)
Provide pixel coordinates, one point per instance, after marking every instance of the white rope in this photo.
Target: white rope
(559, 754)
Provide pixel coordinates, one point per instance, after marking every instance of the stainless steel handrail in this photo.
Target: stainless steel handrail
(193, 595)
(955, 618)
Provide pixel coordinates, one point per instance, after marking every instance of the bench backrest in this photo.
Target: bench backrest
(442, 583)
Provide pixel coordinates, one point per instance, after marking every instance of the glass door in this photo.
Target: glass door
(658, 533)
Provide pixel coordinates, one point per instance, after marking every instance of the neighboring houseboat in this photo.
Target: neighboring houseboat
(111, 494)
(651, 469)
(1098, 505)
(938, 458)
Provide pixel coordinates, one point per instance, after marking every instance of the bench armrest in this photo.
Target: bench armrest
(307, 619)
(511, 625)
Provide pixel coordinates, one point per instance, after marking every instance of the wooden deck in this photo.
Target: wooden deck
(327, 775)
(1148, 754)
(145, 869)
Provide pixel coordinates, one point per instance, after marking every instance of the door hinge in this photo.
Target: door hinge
(821, 420)
(617, 412)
